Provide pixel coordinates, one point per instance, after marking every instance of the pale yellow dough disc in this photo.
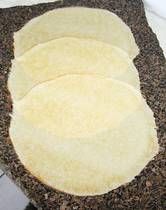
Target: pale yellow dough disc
(66, 56)
(78, 22)
(83, 134)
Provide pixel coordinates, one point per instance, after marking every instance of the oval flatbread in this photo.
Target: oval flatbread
(79, 133)
(70, 56)
(78, 22)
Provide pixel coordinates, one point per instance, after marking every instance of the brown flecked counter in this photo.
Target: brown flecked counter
(146, 191)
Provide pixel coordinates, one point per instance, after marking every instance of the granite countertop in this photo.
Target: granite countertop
(146, 191)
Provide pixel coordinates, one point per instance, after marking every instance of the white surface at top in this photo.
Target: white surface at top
(158, 25)
(156, 16)
(156, 6)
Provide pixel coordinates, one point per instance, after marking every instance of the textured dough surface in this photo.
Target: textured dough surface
(70, 56)
(78, 22)
(79, 133)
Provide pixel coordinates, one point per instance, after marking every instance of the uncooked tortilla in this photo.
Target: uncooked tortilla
(79, 133)
(67, 56)
(78, 22)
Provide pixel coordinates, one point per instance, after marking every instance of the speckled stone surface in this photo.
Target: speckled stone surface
(146, 191)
